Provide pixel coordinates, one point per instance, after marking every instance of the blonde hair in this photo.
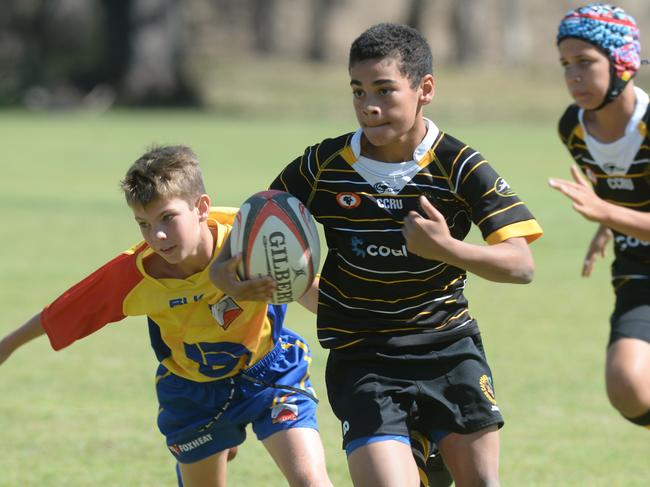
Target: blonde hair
(163, 172)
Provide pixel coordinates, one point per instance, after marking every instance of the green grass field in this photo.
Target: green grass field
(86, 416)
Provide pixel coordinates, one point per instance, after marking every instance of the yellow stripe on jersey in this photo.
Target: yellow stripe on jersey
(348, 155)
(349, 344)
(448, 320)
(473, 169)
(395, 281)
(394, 301)
(494, 213)
(529, 229)
(460, 152)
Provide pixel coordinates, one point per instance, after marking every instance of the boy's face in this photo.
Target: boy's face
(172, 227)
(586, 72)
(387, 107)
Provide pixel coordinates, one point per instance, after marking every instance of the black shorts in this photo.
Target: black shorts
(631, 316)
(388, 392)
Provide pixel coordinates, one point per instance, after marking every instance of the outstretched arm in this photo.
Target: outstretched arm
(507, 261)
(21, 335)
(589, 205)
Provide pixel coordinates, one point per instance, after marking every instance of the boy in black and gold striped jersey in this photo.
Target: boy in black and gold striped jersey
(396, 198)
(606, 132)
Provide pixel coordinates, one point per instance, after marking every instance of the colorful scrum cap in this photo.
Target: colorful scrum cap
(614, 32)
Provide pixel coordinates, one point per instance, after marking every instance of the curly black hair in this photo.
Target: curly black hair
(405, 44)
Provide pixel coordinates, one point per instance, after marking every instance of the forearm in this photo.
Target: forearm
(508, 261)
(624, 220)
(309, 300)
(30, 330)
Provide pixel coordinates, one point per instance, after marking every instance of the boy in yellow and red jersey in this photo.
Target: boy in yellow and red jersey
(224, 363)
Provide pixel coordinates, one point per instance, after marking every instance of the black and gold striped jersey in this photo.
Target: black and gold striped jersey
(373, 292)
(624, 183)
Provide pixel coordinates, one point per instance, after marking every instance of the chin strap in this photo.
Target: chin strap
(616, 85)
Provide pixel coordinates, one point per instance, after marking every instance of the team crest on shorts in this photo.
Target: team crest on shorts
(284, 412)
(486, 386)
(348, 200)
(225, 311)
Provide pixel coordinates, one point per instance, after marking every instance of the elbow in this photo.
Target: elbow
(524, 274)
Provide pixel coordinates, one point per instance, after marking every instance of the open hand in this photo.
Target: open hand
(585, 201)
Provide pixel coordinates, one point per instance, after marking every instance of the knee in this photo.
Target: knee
(628, 391)
(310, 478)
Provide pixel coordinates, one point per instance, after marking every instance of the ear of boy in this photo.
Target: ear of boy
(428, 87)
(203, 207)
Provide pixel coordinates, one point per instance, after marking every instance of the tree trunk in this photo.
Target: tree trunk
(263, 15)
(466, 30)
(156, 73)
(320, 19)
(414, 14)
(515, 33)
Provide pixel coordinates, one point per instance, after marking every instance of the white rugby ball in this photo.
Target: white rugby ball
(277, 237)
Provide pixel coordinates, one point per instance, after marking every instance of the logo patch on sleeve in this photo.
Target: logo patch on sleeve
(225, 311)
(502, 188)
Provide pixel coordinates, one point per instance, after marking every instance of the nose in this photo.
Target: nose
(370, 109)
(160, 234)
(572, 76)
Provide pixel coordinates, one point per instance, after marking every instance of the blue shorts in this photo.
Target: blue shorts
(200, 419)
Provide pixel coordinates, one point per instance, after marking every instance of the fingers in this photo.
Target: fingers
(577, 177)
(588, 265)
(429, 209)
(257, 289)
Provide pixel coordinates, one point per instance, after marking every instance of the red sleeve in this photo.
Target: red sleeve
(91, 303)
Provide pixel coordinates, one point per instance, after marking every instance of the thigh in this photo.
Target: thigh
(631, 316)
(367, 398)
(279, 392)
(299, 454)
(383, 464)
(462, 398)
(192, 417)
(209, 472)
(472, 459)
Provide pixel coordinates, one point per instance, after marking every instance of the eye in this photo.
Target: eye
(168, 217)
(385, 91)
(143, 225)
(357, 93)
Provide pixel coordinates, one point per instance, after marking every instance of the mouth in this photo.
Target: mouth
(166, 250)
(375, 125)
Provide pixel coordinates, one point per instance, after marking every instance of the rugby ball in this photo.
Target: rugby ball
(277, 237)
